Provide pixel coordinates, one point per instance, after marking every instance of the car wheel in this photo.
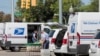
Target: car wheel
(3, 48)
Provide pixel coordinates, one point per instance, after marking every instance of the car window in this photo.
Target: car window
(97, 36)
(51, 33)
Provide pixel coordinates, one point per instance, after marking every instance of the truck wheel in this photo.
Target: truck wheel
(12, 49)
(57, 54)
(66, 54)
(15, 49)
(84, 55)
(3, 48)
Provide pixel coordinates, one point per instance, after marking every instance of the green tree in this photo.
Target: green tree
(66, 5)
(75, 3)
(1, 15)
(18, 4)
(44, 12)
(7, 18)
(92, 7)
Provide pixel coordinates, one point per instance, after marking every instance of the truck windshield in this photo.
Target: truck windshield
(97, 36)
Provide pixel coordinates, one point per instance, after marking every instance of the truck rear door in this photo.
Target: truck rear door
(72, 29)
(72, 36)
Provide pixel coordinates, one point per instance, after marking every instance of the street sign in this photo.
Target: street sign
(17, 14)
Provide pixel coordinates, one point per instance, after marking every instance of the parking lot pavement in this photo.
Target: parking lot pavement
(95, 54)
(21, 53)
(24, 53)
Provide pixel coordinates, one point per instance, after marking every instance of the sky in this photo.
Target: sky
(86, 1)
(5, 5)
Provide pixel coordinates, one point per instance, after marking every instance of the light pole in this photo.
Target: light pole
(44, 2)
(99, 5)
(60, 11)
(12, 16)
(71, 10)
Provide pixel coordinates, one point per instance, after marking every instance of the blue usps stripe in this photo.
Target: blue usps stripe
(19, 31)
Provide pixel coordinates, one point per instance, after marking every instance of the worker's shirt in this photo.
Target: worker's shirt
(35, 35)
(44, 36)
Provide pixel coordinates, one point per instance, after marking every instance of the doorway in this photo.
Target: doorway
(30, 29)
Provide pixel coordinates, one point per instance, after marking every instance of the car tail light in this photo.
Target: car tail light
(53, 40)
(64, 41)
(78, 35)
(99, 44)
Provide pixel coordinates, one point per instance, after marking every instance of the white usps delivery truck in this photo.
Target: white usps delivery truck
(17, 34)
(82, 26)
(2, 28)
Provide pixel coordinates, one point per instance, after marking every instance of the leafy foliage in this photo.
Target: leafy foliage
(40, 13)
(45, 12)
(1, 15)
(92, 7)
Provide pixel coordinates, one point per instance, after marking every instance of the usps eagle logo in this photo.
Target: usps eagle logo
(19, 31)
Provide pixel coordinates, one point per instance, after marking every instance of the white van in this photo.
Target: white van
(20, 34)
(82, 26)
(2, 28)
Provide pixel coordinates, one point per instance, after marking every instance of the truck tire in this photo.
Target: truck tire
(14, 49)
(57, 54)
(68, 55)
(84, 55)
(3, 48)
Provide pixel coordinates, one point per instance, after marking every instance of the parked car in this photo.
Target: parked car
(53, 34)
(61, 43)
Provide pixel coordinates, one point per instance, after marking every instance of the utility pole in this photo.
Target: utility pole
(12, 16)
(60, 11)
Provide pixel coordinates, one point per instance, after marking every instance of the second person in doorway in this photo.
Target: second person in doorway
(34, 37)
